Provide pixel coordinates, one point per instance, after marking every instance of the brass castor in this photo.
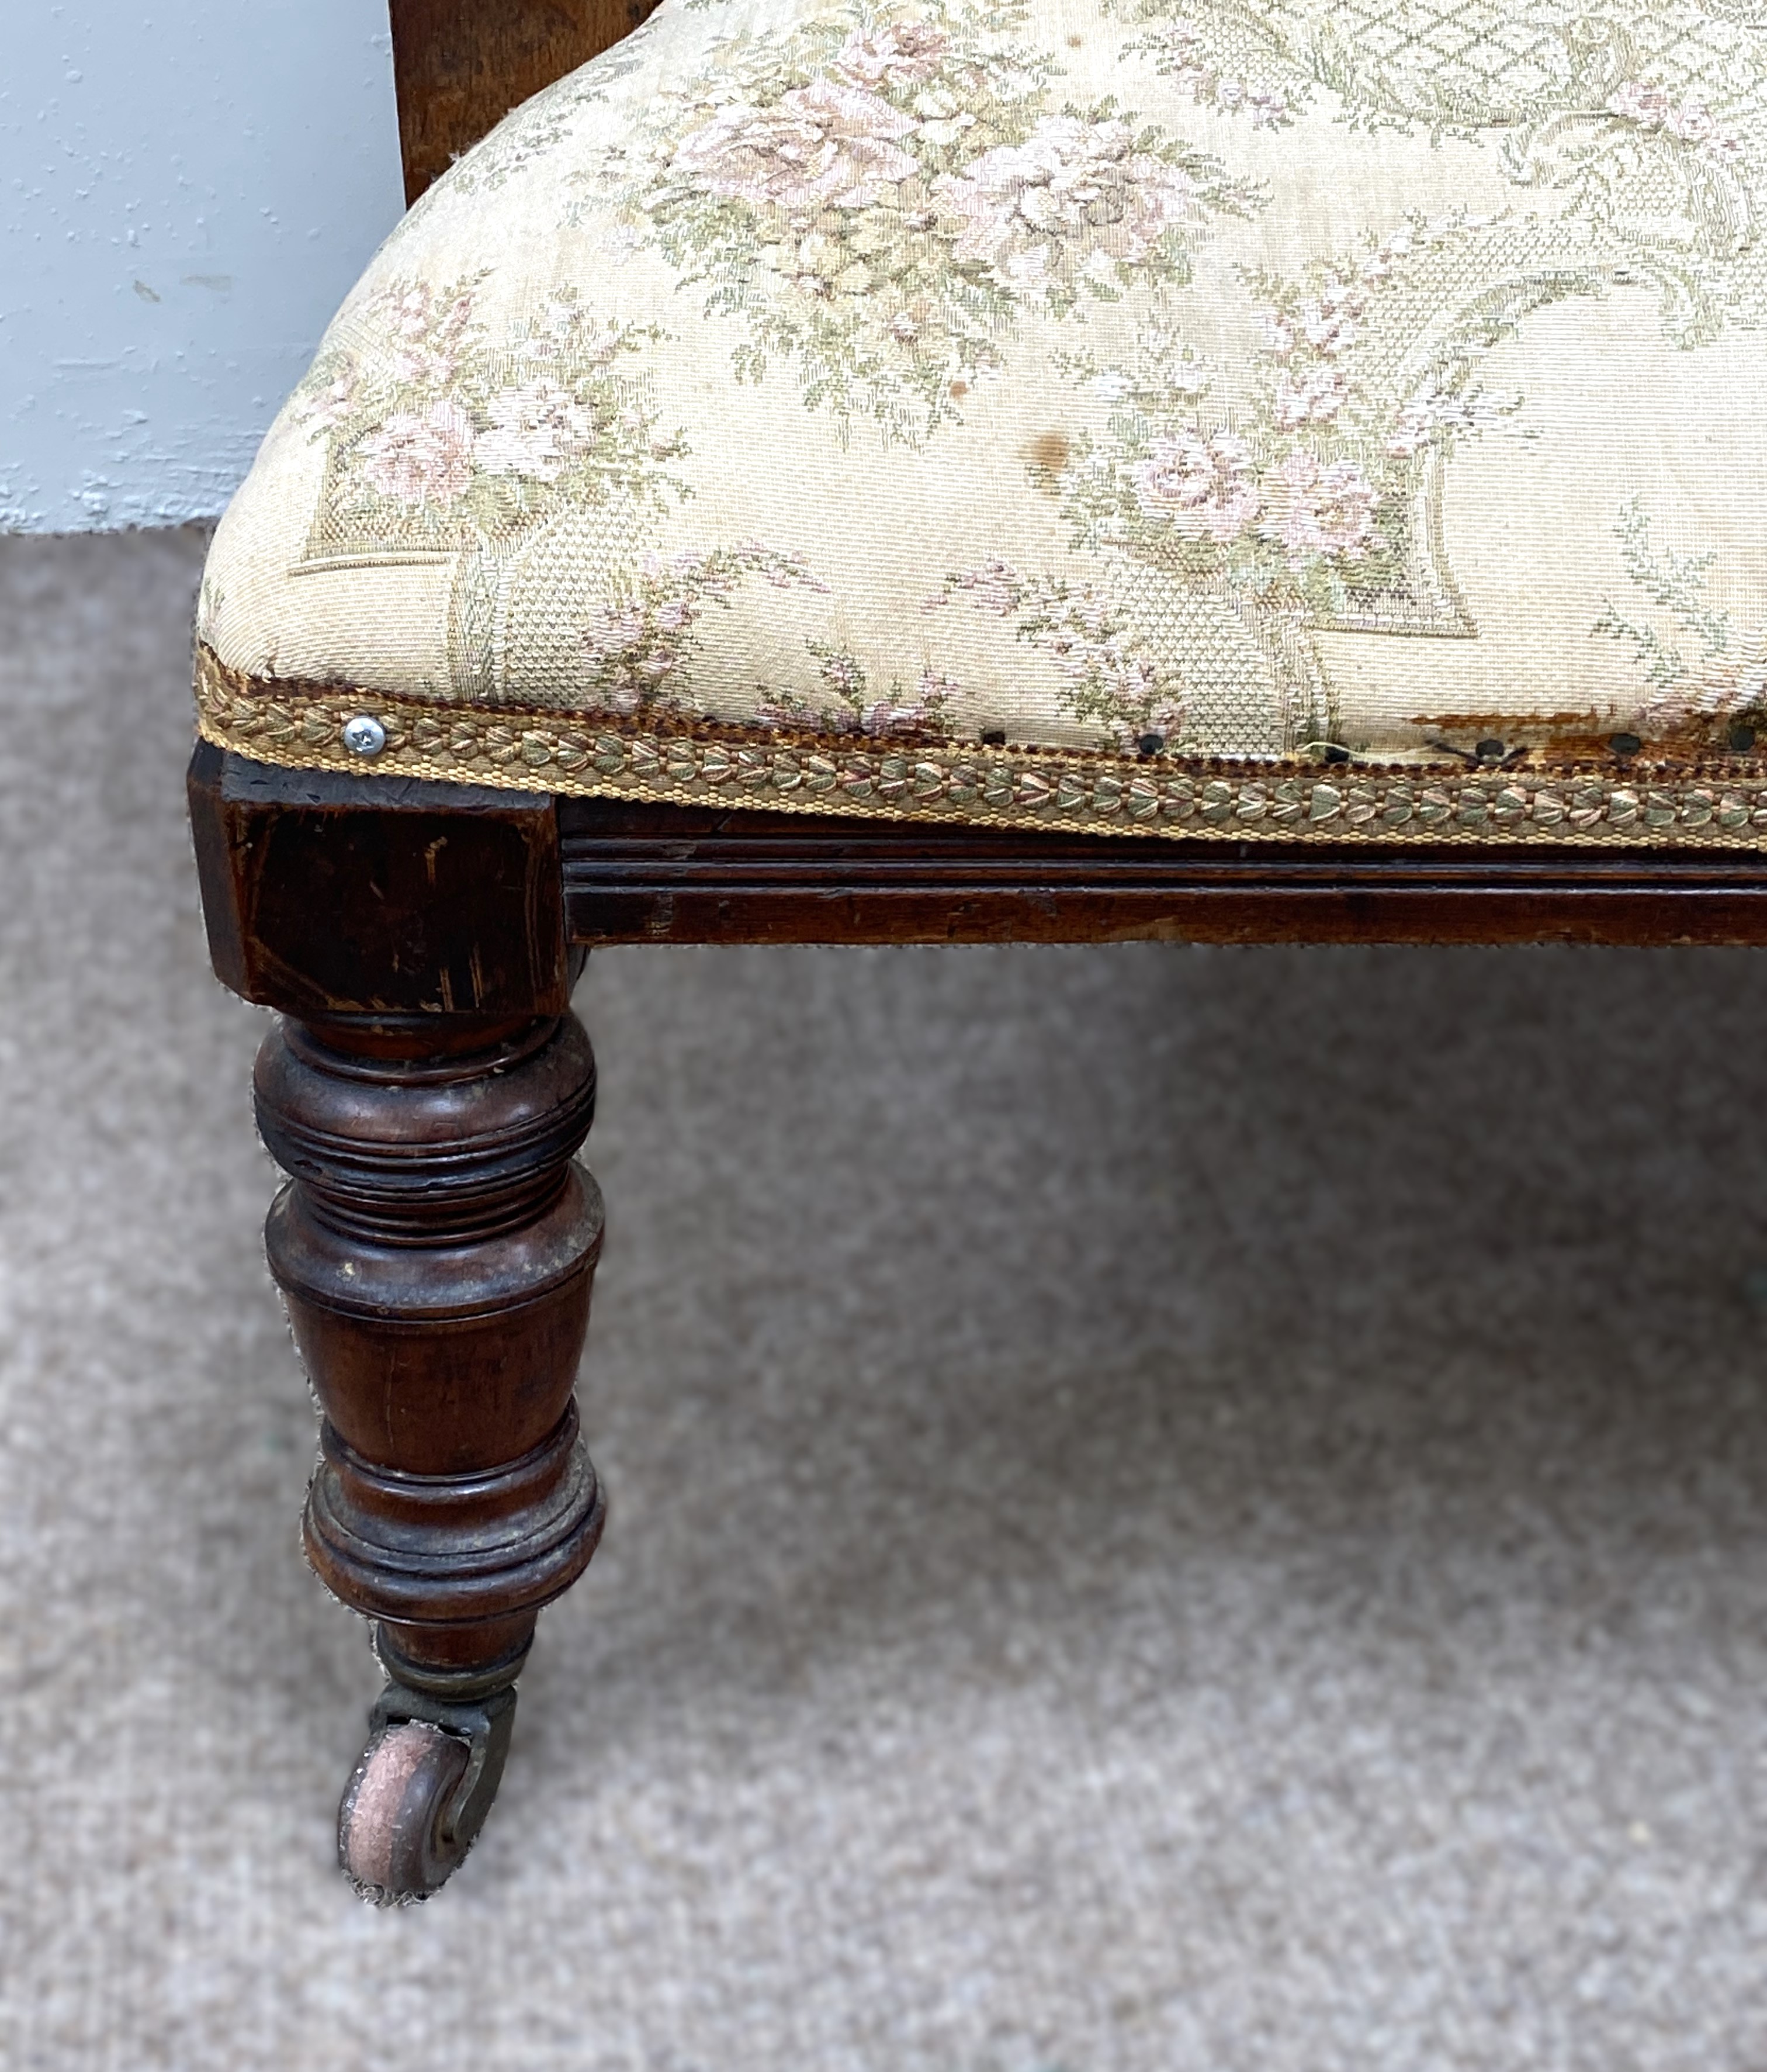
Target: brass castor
(420, 1793)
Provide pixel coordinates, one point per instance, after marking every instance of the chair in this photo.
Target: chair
(957, 470)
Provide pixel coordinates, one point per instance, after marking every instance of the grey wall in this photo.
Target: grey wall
(187, 189)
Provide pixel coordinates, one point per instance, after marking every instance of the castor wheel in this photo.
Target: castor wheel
(390, 1837)
(421, 1791)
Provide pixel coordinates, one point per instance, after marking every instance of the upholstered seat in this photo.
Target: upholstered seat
(1317, 418)
(1249, 422)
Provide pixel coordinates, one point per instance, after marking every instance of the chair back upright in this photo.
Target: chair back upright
(461, 65)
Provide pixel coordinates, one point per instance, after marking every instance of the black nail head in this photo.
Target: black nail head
(993, 737)
(1742, 739)
(1489, 751)
(1151, 744)
(1625, 744)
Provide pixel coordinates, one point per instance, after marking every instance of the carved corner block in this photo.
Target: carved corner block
(327, 895)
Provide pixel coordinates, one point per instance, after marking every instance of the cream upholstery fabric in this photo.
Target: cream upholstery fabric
(1310, 416)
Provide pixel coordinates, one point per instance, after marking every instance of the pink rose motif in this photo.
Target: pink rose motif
(883, 717)
(781, 708)
(841, 672)
(1183, 61)
(1077, 629)
(409, 309)
(902, 54)
(1202, 486)
(536, 429)
(1693, 124)
(633, 643)
(994, 587)
(639, 639)
(1082, 638)
(426, 339)
(421, 458)
(1067, 178)
(1311, 511)
(620, 640)
(1650, 107)
(1434, 410)
(1314, 398)
(825, 144)
(1328, 322)
(563, 333)
(1638, 101)
(1279, 335)
(333, 403)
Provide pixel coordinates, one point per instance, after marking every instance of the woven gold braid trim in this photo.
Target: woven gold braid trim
(301, 726)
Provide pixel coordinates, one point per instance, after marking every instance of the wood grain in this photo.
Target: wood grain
(425, 1091)
(326, 895)
(672, 874)
(461, 65)
(436, 1246)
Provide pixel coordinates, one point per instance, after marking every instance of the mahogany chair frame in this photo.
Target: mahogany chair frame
(427, 1086)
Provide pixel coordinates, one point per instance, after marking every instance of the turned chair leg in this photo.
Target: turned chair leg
(436, 1243)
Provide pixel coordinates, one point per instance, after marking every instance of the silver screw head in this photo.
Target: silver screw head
(364, 735)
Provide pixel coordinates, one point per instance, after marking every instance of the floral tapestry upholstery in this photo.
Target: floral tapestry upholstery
(1317, 419)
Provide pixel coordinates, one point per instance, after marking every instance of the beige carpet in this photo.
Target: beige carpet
(1173, 1511)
